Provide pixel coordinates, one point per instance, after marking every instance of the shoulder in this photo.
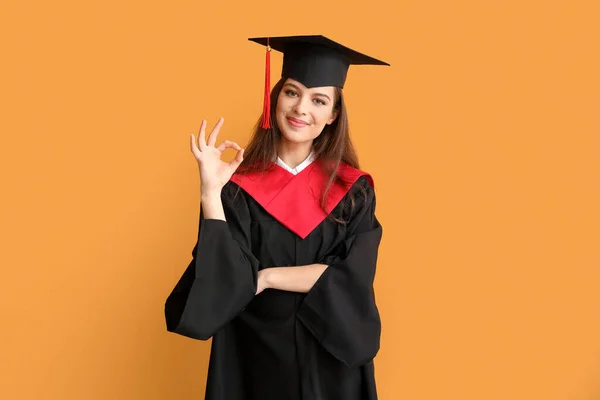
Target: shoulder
(364, 184)
(362, 192)
(359, 199)
(233, 195)
(355, 179)
(350, 174)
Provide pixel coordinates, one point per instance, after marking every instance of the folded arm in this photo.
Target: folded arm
(292, 279)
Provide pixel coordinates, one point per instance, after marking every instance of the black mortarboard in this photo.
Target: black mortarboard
(312, 60)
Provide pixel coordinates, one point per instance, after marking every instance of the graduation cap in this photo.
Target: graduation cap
(312, 60)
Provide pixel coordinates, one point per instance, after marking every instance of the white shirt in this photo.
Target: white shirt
(300, 167)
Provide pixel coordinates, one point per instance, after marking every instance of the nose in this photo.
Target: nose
(300, 107)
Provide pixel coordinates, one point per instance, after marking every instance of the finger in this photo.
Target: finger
(197, 153)
(212, 139)
(202, 136)
(239, 157)
(228, 145)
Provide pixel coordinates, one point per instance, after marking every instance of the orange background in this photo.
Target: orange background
(483, 138)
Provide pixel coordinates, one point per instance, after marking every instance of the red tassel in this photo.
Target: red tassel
(266, 119)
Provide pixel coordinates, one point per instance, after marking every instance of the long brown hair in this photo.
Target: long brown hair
(331, 148)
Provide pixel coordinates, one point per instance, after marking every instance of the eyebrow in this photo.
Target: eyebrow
(297, 88)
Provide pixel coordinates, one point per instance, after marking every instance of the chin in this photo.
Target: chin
(295, 137)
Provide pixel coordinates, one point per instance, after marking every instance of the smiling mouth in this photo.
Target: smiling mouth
(296, 122)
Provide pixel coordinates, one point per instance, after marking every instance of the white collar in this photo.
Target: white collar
(300, 167)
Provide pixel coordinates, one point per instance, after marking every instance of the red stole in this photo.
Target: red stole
(295, 200)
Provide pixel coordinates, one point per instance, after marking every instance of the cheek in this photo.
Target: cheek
(323, 116)
(283, 103)
(280, 109)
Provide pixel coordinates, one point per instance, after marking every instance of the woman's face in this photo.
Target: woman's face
(302, 113)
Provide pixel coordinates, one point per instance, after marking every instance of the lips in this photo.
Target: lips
(296, 122)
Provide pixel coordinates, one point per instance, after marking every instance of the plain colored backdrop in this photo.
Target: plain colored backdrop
(482, 137)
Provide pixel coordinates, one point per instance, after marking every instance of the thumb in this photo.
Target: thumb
(239, 157)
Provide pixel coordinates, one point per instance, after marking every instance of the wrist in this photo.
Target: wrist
(207, 194)
(211, 205)
(269, 277)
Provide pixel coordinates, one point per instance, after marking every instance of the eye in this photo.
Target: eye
(320, 102)
(291, 92)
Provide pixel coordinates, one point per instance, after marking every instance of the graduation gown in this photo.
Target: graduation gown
(283, 345)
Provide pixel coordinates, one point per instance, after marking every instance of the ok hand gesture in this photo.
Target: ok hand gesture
(214, 173)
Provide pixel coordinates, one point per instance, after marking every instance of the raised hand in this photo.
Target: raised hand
(214, 173)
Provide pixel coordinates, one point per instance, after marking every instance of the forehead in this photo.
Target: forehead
(321, 89)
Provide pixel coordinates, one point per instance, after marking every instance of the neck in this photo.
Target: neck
(292, 154)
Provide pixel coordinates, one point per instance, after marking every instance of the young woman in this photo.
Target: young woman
(282, 273)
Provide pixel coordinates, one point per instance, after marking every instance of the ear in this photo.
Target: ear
(334, 115)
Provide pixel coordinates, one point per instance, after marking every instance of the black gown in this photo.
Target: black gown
(283, 345)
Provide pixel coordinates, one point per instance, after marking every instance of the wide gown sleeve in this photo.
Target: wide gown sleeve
(340, 309)
(221, 278)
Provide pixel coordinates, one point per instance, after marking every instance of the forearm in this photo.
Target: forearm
(212, 207)
(294, 279)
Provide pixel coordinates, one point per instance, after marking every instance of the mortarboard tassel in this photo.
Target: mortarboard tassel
(266, 120)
